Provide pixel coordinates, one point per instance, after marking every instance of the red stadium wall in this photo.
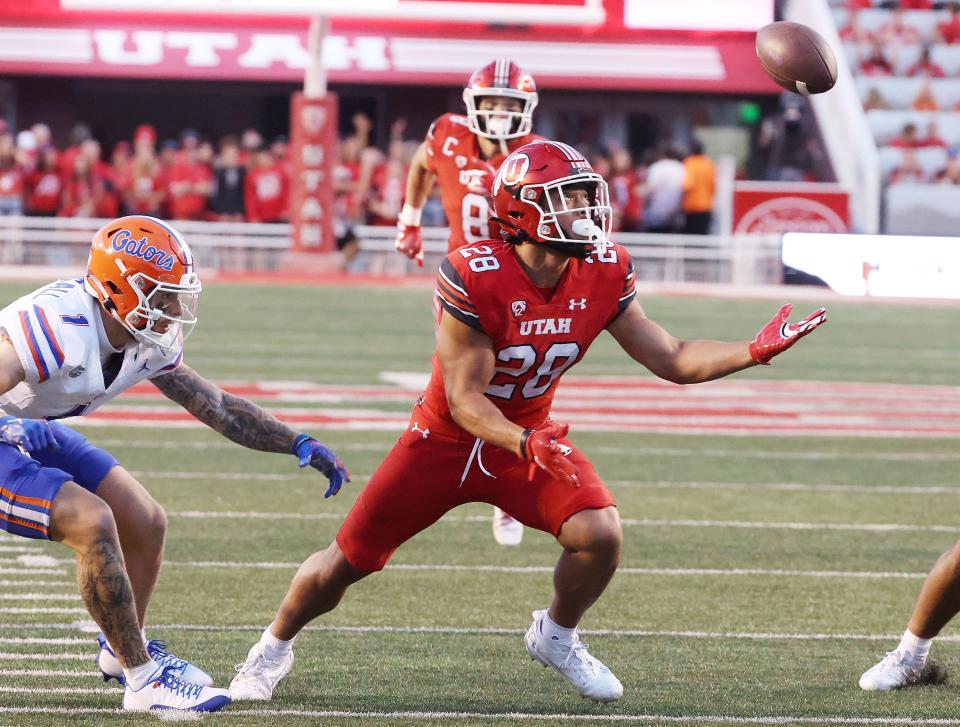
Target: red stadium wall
(37, 37)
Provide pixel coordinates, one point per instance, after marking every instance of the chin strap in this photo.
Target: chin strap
(518, 236)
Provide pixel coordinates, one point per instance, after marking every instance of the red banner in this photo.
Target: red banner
(161, 48)
(313, 140)
(776, 207)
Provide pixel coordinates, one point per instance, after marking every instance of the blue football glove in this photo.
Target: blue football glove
(310, 452)
(33, 435)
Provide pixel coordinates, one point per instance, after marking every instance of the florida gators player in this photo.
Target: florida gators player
(463, 154)
(517, 314)
(65, 350)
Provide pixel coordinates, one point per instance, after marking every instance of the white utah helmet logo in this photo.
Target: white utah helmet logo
(513, 170)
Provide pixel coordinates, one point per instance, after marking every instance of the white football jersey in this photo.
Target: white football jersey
(56, 331)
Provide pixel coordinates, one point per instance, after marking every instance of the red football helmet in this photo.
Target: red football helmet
(502, 78)
(141, 270)
(534, 199)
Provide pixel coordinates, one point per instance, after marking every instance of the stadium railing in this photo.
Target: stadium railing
(238, 247)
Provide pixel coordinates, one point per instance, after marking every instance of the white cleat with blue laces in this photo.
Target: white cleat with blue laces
(586, 673)
(110, 666)
(164, 690)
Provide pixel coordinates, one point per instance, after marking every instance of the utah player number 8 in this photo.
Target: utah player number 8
(475, 211)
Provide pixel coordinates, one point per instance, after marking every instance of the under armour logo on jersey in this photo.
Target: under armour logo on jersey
(424, 433)
(518, 307)
(581, 304)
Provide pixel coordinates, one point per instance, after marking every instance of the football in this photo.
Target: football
(796, 57)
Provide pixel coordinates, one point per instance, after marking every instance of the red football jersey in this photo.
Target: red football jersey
(536, 340)
(465, 177)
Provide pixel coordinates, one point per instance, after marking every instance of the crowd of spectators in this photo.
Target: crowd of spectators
(909, 45)
(242, 178)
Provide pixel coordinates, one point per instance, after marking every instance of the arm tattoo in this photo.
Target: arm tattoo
(236, 418)
(106, 592)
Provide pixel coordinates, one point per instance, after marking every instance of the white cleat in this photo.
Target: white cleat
(166, 691)
(506, 530)
(587, 674)
(897, 669)
(258, 676)
(110, 667)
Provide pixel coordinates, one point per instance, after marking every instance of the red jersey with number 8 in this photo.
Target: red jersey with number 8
(465, 178)
(536, 340)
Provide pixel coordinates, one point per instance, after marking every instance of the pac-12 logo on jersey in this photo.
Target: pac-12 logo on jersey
(518, 307)
(139, 248)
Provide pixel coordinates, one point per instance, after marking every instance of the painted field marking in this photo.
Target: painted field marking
(34, 584)
(545, 569)
(66, 673)
(515, 716)
(40, 596)
(806, 454)
(59, 690)
(89, 626)
(648, 484)
(19, 549)
(10, 610)
(64, 641)
(627, 522)
(33, 571)
(15, 656)
(792, 487)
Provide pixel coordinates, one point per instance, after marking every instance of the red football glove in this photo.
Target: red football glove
(410, 242)
(545, 450)
(778, 335)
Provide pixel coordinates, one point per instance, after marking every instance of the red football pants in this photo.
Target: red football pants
(425, 477)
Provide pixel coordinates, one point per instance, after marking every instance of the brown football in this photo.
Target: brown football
(796, 57)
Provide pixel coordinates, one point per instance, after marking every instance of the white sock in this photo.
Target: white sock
(918, 648)
(273, 646)
(553, 632)
(138, 677)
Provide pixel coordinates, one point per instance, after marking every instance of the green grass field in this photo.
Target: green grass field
(720, 611)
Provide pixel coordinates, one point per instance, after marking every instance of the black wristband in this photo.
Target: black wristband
(301, 438)
(523, 442)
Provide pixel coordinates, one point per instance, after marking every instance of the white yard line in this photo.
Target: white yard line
(17, 656)
(19, 549)
(34, 584)
(791, 487)
(473, 631)
(230, 476)
(805, 454)
(64, 641)
(545, 569)
(28, 611)
(40, 596)
(779, 455)
(49, 673)
(60, 690)
(515, 716)
(33, 571)
(627, 522)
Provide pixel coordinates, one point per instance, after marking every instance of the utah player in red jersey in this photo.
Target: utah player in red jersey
(517, 314)
(463, 154)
